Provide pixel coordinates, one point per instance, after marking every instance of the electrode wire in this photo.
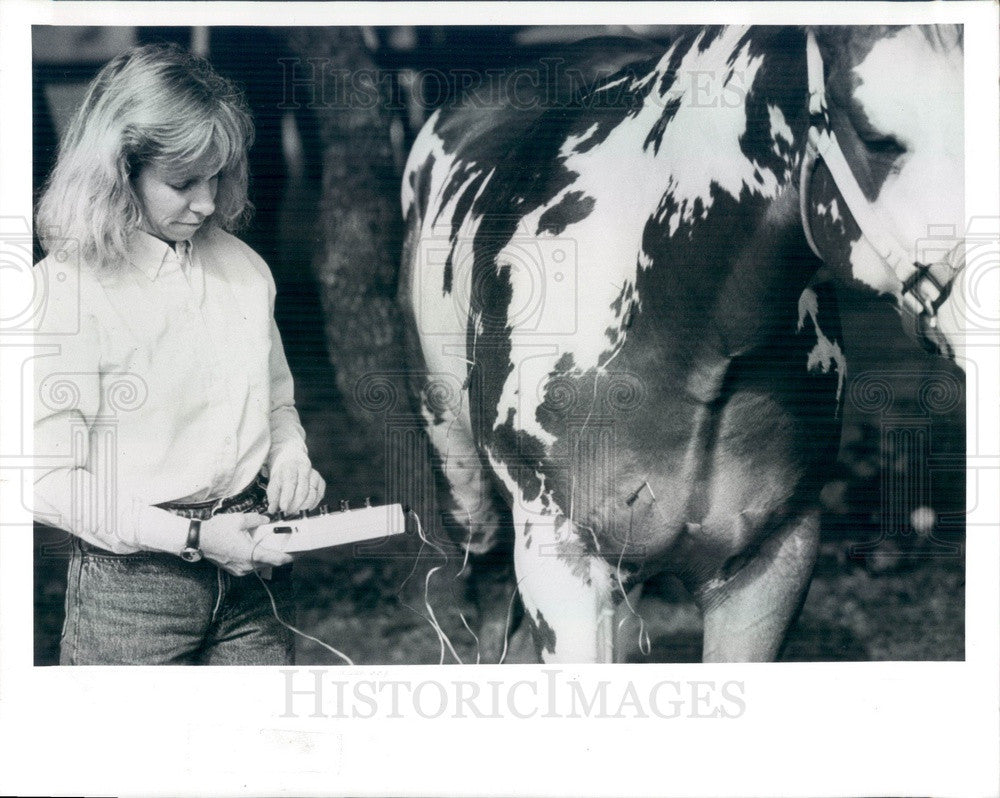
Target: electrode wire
(413, 609)
(274, 609)
(645, 646)
(443, 638)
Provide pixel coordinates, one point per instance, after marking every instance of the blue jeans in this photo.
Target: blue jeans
(156, 609)
(152, 608)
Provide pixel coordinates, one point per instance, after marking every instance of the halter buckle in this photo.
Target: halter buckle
(928, 287)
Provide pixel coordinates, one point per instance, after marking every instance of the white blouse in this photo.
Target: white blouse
(165, 380)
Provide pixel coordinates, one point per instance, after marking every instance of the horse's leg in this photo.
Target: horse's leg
(472, 508)
(470, 504)
(492, 587)
(568, 593)
(748, 613)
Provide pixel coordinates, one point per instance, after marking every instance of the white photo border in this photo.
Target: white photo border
(799, 728)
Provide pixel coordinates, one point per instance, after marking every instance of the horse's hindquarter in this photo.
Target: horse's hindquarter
(452, 165)
(627, 278)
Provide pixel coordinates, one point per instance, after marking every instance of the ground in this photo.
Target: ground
(849, 615)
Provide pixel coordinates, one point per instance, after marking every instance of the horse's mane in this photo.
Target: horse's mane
(850, 43)
(944, 37)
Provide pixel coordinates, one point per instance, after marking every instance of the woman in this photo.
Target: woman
(165, 421)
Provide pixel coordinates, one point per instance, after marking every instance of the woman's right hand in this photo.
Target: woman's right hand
(227, 540)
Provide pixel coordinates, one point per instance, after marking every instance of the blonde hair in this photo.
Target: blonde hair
(155, 106)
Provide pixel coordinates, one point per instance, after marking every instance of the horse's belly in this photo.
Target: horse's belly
(689, 485)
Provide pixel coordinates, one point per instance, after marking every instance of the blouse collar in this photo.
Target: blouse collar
(148, 253)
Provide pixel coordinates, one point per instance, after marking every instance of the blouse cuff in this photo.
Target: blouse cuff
(160, 530)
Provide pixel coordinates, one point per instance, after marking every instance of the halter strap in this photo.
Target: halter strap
(924, 288)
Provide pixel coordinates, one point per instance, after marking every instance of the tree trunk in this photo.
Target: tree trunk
(360, 226)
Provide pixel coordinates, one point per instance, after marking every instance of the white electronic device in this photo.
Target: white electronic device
(323, 530)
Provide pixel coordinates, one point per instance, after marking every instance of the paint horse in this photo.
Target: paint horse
(617, 280)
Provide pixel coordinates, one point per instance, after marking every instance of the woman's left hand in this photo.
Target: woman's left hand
(293, 486)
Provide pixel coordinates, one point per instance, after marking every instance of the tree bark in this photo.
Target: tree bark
(360, 225)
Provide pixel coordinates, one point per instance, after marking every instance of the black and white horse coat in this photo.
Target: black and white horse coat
(620, 331)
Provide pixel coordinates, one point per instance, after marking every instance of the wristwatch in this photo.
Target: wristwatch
(191, 552)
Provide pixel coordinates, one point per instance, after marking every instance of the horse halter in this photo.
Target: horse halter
(924, 287)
